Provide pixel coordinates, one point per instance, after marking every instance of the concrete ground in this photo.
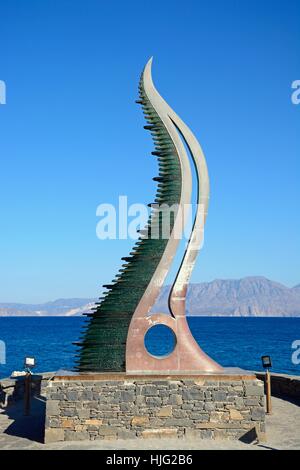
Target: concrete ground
(21, 432)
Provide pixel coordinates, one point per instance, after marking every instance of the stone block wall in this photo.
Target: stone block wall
(147, 407)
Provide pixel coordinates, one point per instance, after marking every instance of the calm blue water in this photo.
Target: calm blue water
(238, 342)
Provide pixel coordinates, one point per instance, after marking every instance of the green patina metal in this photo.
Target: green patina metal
(102, 346)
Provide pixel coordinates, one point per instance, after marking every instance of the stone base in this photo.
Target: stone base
(118, 406)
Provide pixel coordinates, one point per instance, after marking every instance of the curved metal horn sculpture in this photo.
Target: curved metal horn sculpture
(125, 307)
(187, 355)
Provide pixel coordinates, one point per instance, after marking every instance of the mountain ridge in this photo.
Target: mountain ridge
(252, 296)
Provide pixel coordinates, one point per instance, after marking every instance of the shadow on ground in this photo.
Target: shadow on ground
(28, 427)
(293, 400)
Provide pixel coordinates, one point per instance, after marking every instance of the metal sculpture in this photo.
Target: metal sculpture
(114, 336)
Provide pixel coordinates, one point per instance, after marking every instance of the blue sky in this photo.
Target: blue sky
(71, 136)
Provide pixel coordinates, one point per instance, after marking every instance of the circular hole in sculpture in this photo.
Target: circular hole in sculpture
(160, 341)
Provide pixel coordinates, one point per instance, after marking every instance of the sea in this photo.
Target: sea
(233, 342)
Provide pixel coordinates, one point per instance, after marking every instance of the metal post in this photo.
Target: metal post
(27, 393)
(268, 392)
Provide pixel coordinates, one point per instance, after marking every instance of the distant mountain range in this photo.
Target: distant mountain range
(60, 308)
(251, 296)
